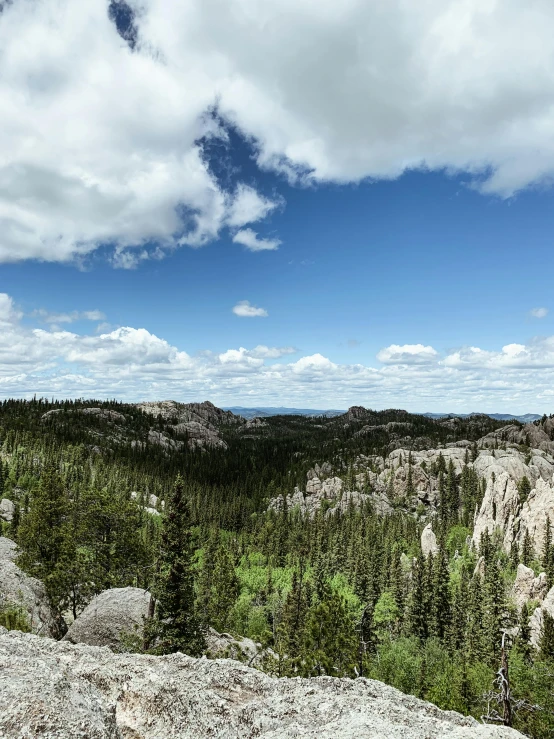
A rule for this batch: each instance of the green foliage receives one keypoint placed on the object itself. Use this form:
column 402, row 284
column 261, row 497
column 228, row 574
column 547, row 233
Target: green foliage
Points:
column 175, row 626
column 13, row 617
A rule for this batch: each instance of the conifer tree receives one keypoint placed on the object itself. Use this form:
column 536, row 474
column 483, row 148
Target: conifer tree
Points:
column 527, row 549
column 494, row 609
column 330, row 643
column 418, row 605
column 523, row 641
column 175, row 626
column 224, row 591
column 440, row 605
column 546, row 644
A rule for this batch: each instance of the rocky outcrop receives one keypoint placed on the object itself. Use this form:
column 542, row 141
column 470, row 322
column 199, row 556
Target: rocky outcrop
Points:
column 537, row 436
column 20, row 590
column 479, row 570
column 534, row 512
column 7, row 509
column 499, row 509
column 429, row 541
column 103, row 413
column 200, row 422
column 110, row 617
column 528, row 587
column 200, row 436
column 537, row 617
column 56, row 689
column 159, row 439
column 241, row 649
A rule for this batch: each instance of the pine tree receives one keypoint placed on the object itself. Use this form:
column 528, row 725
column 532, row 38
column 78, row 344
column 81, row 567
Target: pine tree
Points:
column 43, row 529
column 527, row 549
column 524, row 488
column 546, row 644
column 330, row 641
column 290, row 636
column 175, row 626
column 523, row 641
column 494, row 610
column 418, row 604
column 440, row 605
column 453, row 502
column 225, row 590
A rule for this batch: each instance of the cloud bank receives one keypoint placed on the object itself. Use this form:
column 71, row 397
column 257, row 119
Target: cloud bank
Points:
column 103, row 144
column 134, row 364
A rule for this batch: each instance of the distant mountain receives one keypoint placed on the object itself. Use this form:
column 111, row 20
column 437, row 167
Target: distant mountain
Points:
column 263, row 412
column 524, row 418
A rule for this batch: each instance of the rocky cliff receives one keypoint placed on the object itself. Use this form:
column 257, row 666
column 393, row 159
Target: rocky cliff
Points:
column 57, row 689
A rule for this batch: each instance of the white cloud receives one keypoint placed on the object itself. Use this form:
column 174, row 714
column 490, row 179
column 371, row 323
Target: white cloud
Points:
column 245, row 310
column 249, row 238
column 407, row 354
column 132, row 364
column 92, row 157
column 86, row 315
column 249, row 206
column 272, row 352
column 539, row 312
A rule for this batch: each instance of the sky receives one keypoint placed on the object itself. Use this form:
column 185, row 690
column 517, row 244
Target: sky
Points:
column 288, row 203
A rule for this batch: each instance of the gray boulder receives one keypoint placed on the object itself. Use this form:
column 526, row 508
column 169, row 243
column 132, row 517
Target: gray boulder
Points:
column 429, row 541
column 56, row 689
column 19, row 589
column 7, row 509
column 109, row 617
column 528, row 587
column 537, row 617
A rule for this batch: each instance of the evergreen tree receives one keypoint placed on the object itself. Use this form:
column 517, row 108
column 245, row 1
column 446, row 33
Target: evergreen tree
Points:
column 494, row 609
column 225, row 590
column 418, row 605
column 523, row 641
column 43, row 531
column 175, row 626
column 527, row 549
column 330, row 644
column 546, row 644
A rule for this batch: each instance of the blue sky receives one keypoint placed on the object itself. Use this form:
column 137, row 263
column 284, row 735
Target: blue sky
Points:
column 396, row 242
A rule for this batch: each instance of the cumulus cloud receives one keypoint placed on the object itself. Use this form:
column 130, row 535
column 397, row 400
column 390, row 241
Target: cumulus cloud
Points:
column 407, row 354
column 380, row 88
column 250, row 239
column 245, row 310
column 85, row 315
column 133, row 364
column 539, row 312
column 248, row 206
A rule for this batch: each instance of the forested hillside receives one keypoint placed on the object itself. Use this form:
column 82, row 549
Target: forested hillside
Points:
column 304, row 534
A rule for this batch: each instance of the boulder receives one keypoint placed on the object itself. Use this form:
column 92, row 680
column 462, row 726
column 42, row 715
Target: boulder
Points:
column 19, row 589
column 537, row 616
column 228, row 647
column 109, row 617
column 429, row 541
column 57, row 689
column 528, row 587
column 7, row 509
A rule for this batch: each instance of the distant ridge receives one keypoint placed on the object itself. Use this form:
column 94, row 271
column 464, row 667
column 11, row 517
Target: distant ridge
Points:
column 263, row 412
column 524, row 418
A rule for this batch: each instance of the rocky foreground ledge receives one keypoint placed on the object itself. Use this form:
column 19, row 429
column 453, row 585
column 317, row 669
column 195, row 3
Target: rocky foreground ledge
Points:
column 62, row 690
